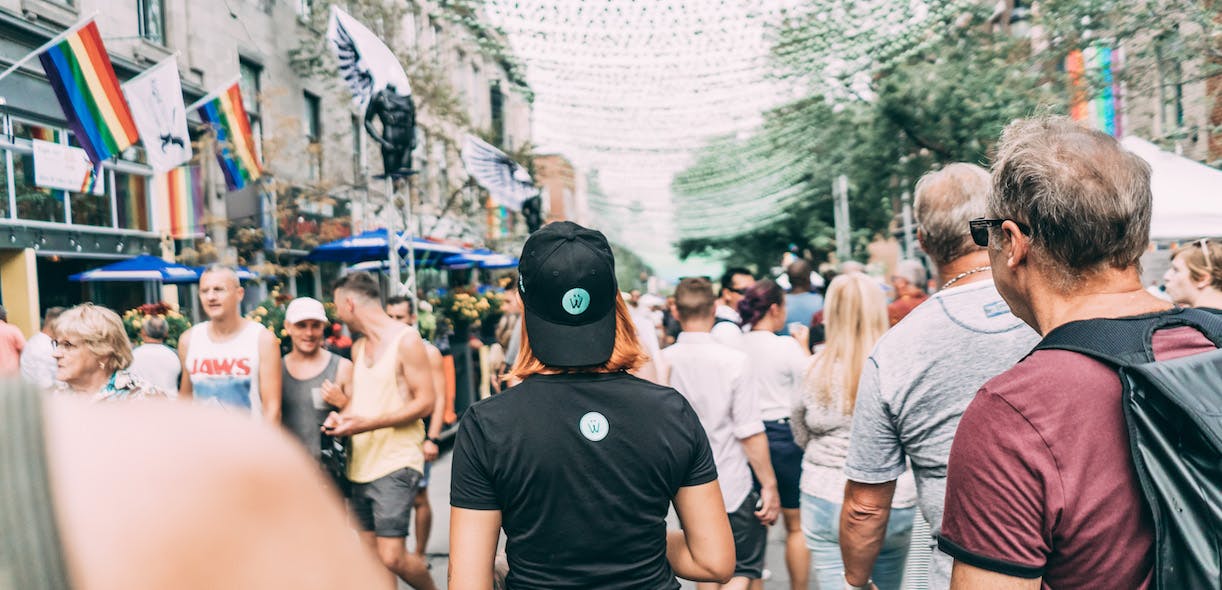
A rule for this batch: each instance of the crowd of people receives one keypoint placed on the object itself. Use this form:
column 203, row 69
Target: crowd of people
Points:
column 972, row 435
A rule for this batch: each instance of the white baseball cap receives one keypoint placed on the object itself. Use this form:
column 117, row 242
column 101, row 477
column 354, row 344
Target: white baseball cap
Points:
column 304, row 308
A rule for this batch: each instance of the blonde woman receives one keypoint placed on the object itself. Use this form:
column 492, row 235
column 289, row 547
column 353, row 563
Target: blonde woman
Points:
column 855, row 318
column 1195, row 276
column 92, row 354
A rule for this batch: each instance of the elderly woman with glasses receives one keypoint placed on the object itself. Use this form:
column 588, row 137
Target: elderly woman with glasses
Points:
column 92, row 354
column 1195, row 276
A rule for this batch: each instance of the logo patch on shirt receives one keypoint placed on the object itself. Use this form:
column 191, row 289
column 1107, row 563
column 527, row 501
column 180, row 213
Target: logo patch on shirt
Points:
column 594, row 426
column 575, row 301
column 996, row 308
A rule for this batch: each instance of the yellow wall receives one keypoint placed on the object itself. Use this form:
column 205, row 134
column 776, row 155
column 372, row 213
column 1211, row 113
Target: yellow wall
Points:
column 19, row 289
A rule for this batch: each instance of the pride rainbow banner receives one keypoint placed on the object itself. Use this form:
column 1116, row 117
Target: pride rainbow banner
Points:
column 180, row 201
column 84, row 81
column 224, row 113
column 1095, row 96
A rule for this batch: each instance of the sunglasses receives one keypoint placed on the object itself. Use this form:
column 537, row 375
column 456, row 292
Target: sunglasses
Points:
column 1204, row 244
column 981, row 225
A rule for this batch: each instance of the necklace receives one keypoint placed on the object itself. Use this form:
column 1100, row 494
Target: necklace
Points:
column 964, row 274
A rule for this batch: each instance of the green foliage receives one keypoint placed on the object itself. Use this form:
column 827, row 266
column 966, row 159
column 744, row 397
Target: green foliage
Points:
column 134, row 319
column 885, row 110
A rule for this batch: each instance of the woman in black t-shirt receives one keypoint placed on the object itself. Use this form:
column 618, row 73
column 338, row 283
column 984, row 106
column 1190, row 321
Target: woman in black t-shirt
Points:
column 580, row 462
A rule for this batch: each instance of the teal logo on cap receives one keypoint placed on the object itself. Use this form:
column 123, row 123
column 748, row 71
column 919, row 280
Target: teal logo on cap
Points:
column 576, row 301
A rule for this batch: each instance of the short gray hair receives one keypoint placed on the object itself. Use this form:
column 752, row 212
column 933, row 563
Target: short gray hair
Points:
column 155, row 328
column 1086, row 199
column 945, row 200
column 912, row 271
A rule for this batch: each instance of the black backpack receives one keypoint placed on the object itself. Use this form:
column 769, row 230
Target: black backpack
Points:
column 1173, row 410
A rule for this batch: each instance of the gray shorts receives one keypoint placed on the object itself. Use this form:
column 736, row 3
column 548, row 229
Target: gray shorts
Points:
column 384, row 505
column 750, row 538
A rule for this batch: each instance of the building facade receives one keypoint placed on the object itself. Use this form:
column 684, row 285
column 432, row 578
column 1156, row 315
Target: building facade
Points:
column 318, row 162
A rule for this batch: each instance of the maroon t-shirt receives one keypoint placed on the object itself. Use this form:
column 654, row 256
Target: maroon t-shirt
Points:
column 1040, row 481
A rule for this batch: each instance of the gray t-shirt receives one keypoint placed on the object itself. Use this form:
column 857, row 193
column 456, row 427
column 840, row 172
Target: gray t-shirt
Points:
column 916, row 385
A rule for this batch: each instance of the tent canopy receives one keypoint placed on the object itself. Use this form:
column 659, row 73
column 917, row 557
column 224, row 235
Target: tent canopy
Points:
column 145, row 268
column 1187, row 194
column 373, row 245
column 142, row 268
column 481, row 258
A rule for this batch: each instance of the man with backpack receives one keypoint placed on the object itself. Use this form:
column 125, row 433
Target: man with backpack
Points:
column 1043, row 485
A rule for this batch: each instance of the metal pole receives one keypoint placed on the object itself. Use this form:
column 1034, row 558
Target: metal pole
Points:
column 392, row 239
column 909, row 244
column 410, row 230
column 840, row 193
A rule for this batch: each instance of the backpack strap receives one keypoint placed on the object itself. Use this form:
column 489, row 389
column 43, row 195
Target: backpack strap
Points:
column 1128, row 341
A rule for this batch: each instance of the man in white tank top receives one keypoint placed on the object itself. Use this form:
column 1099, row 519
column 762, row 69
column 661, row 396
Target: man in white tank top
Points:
column 230, row 361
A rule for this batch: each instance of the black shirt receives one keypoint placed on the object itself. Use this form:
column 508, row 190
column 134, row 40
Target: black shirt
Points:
column 583, row 468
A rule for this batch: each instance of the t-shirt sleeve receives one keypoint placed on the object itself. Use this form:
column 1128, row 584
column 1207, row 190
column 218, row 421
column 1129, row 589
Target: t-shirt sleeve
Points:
column 701, row 468
column 744, row 405
column 1003, row 492
column 875, row 453
column 471, row 483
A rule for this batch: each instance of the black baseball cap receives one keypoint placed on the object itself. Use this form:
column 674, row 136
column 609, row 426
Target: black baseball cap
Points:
column 566, row 277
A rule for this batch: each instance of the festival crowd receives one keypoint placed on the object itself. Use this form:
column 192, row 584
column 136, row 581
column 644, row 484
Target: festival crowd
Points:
column 979, row 434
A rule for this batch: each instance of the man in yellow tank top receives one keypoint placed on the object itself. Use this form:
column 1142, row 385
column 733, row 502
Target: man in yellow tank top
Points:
column 392, row 390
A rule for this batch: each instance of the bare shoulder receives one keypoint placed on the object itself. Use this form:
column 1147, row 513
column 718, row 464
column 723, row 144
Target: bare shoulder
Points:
column 184, row 340
column 191, row 487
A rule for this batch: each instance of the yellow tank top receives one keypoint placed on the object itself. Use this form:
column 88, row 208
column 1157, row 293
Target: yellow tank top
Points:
column 376, row 391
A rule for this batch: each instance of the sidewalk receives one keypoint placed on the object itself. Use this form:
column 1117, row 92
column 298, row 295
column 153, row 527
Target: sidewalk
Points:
column 439, row 540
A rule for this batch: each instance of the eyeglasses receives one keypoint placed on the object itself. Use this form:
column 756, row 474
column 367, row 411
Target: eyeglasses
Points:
column 981, row 225
column 64, row 345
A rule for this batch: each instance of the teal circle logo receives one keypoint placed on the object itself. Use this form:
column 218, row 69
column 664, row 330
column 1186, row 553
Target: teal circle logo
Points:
column 594, row 426
column 576, row 301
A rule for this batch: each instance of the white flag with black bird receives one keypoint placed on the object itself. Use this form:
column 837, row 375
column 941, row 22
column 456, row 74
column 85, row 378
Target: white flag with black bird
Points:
column 157, row 108
column 507, row 181
column 366, row 64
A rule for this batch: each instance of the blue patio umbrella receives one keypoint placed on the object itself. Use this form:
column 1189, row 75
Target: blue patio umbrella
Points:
column 480, row 258
column 373, row 245
column 142, row 268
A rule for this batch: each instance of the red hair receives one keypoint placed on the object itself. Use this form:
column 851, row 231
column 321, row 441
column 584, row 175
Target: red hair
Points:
column 627, row 355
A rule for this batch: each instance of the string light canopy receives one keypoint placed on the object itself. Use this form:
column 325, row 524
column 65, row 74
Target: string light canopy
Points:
column 684, row 109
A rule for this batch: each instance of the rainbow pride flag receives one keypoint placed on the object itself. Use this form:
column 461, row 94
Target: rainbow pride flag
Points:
column 1094, row 92
column 80, row 72
column 223, row 111
column 180, row 201
column 132, row 200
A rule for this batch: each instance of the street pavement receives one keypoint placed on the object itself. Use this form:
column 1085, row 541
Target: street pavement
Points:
column 439, row 541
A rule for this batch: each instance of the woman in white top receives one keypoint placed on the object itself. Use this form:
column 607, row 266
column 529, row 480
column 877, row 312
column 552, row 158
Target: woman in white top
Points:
column 776, row 369
column 856, row 317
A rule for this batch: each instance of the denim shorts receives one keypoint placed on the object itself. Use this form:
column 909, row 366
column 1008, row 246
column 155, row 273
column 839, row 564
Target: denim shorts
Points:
column 821, row 525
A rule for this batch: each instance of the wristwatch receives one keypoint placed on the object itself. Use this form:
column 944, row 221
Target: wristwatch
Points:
column 849, row 585
column 435, row 441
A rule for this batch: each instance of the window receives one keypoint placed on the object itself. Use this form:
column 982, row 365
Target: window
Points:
column 151, row 20
column 312, row 125
column 250, row 73
column 131, row 200
column 496, row 102
column 1169, row 50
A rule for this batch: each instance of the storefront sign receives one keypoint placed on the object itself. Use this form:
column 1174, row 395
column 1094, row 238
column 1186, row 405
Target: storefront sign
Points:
column 64, row 167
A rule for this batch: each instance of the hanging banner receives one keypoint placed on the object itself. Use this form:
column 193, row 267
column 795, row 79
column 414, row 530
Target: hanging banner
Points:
column 64, row 167
column 366, row 64
column 156, row 100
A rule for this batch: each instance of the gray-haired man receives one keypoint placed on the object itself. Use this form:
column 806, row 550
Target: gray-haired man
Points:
column 924, row 372
column 153, row 360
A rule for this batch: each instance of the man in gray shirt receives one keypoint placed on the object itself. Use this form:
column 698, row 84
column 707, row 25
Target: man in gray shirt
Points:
column 923, row 373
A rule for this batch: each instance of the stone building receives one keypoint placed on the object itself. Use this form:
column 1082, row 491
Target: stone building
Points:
column 308, row 132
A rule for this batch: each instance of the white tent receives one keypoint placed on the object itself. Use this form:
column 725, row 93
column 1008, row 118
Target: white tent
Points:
column 1187, row 194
